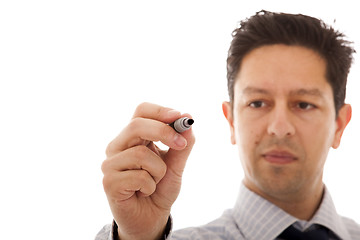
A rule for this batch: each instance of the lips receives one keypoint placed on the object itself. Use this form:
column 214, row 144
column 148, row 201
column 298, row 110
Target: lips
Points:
column 279, row 157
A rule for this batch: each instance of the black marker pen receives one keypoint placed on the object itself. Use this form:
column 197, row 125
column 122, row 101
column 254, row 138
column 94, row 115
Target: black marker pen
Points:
column 182, row 124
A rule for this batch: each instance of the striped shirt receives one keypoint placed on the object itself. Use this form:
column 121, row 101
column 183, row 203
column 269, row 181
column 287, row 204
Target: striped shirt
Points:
column 255, row 218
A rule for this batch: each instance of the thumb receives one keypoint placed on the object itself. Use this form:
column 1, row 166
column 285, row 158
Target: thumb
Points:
column 176, row 159
column 169, row 187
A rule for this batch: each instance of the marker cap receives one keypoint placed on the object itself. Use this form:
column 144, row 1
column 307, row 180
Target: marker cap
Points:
column 182, row 124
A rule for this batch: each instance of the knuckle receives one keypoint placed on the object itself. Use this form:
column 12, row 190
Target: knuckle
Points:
column 150, row 189
column 159, row 112
column 143, row 176
column 109, row 148
column 162, row 171
column 134, row 124
column 140, row 107
column 166, row 132
column 107, row 183
column 104, row 166
column 140, row 152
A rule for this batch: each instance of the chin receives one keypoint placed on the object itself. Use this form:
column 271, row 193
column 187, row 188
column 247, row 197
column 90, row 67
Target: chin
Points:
column 278, row 187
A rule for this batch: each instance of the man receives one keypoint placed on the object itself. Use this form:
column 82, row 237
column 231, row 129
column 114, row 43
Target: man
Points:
column 287, row 80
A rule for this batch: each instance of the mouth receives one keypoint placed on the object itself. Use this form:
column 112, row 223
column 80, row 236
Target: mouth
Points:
column 279, row 157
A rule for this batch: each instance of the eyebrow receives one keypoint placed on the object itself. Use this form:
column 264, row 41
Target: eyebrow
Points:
column 315, row 92
column 252, row 90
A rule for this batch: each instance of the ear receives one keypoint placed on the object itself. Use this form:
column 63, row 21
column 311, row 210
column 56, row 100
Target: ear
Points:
column 342, row 120
column 226, row 107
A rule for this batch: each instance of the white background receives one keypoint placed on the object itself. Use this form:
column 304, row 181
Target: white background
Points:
column 72, row 73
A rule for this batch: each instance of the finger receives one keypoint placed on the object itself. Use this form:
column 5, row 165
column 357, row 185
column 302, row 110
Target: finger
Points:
column 122, row 186
column 136, row 158
column 156, row 112
column 140, row 131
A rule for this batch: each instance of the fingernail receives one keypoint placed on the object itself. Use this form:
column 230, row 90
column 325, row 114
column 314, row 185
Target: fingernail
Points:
column 180, row 141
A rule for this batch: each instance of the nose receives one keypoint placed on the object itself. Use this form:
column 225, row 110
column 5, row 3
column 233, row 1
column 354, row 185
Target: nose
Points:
column 280, row 122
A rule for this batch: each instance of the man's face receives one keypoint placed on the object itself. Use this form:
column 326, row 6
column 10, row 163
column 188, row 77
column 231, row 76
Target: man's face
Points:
column 283, row 119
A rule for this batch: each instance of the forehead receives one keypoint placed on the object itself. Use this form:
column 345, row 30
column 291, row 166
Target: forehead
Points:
column 282, row 67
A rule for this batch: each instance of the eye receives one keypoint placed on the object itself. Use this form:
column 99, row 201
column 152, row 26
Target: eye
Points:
column 305, row 106
column 257, row 104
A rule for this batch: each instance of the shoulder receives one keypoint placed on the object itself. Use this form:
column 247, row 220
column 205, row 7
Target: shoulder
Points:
column 352, row 227
column 219, row 229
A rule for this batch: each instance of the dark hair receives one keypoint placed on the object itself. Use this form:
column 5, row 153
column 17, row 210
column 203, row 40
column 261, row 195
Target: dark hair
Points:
column 266, row 28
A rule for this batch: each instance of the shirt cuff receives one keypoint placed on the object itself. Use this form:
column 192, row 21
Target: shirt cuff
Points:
column 166, row 235
column 168, row 229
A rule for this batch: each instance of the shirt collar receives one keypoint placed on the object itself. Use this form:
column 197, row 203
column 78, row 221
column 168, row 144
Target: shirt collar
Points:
column 327, row 216
column 259, row 219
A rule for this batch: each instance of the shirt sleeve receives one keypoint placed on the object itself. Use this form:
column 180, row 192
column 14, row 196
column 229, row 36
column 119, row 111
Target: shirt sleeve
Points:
column 106, row 233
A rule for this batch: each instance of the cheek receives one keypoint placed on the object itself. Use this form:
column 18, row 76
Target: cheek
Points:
column 317, row 141
column 247, row 138
column 321, row 134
